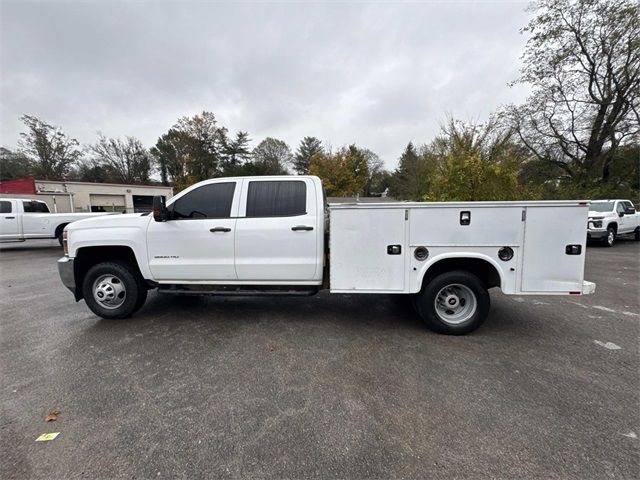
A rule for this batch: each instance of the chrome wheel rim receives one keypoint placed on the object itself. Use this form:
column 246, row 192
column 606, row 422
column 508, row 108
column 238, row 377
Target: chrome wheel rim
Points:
column 109, row 291
column 455, row 304
column 611, row 237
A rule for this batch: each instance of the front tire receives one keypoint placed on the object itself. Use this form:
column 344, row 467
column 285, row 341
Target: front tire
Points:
column 610, row 239
column 636, row 234
column 113, row 290
column 454, row 303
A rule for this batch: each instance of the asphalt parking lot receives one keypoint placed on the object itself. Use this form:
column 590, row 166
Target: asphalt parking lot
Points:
column 318, row 387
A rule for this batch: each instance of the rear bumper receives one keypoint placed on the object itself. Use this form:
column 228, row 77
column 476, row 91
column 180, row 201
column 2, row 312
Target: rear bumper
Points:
column 588, row 288
column 65, row 269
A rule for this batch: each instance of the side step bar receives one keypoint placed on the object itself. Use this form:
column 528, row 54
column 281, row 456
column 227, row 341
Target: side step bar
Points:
column 237, row 292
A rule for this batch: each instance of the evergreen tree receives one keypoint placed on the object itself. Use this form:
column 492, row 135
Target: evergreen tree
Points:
column 309, row 146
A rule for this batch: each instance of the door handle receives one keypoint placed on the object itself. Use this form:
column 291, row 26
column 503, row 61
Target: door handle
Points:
column 219, row 229
column 305, row 228
column 9, row 218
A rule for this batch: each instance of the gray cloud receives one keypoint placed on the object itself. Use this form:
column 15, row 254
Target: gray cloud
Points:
column 377, row 74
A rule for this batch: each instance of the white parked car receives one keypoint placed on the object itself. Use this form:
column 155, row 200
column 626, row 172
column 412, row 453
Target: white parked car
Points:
column 270, row 235
column 608, row 219
column 22, row 220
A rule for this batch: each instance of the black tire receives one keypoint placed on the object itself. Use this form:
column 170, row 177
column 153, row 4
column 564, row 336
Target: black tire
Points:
column 142, row 297
column 465, row 287
column 610, row 239
column 636, row 234
column 124, row 278
column 59, row 232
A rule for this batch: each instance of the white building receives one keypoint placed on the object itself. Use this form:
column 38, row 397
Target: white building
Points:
column 65, row 197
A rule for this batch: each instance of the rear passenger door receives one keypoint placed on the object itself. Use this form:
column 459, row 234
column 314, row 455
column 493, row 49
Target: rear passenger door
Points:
column 276, row 231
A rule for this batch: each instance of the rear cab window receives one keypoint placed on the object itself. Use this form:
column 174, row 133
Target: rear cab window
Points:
column 276, row 198
column 34, row 207
column 5, row 206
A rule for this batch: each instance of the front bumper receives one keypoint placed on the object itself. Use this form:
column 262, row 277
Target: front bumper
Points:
column 596, row 234
column 65, row 269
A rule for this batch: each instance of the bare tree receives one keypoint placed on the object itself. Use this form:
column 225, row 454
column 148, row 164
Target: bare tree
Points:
column 583, row 61
column 51, row 152
column 127, row 161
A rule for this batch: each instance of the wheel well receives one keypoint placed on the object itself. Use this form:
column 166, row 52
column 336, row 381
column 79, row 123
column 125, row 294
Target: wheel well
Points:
column 482, row 269
column 614, row 225
column 59, row 229
column 87, row 257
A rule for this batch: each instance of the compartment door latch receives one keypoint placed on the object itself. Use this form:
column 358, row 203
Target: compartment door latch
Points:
column 394, row 249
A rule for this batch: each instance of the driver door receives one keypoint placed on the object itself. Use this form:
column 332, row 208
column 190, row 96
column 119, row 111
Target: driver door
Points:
column 197, row 242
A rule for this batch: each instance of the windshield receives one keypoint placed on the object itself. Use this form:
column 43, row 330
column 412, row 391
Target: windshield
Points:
column 601, row 207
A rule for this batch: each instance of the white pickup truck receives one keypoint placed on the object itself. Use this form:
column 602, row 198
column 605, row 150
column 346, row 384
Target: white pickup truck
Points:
column 276, row 235
column 608, row 219
column 24, row 219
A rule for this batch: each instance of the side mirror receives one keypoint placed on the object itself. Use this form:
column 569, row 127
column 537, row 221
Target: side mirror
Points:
column 621, row 214
column 160, row 213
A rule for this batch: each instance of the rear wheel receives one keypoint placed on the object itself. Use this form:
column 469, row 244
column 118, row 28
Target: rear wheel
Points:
column 113, row 290
column 454, row 303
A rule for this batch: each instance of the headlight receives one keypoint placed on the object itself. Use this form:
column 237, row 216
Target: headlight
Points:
column 65, row 242
column 597, row 224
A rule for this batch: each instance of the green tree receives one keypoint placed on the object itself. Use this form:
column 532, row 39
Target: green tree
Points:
column 88, row 170
column 583, row 62
column 308, row 147
column 126, row 161
column 344, row 173
column 475, row 162
column 50, row 151
column 236, row 154
column 191, row 151
column 411, row 179
column 271, row 157
column 13, row 165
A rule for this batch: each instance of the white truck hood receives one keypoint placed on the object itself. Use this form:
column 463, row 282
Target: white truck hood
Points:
column 111, row 221
column 600, row 214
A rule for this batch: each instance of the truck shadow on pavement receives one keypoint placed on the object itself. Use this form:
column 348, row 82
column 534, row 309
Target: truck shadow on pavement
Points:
column 333, row 312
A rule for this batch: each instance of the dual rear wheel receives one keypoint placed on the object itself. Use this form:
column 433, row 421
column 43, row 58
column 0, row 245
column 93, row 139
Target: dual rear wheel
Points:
column 453, row 303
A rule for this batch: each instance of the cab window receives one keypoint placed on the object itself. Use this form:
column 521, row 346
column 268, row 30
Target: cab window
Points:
column 209, row 201
column 629, row 208
column 35, row 207
column 284, row 198
column 5, row 207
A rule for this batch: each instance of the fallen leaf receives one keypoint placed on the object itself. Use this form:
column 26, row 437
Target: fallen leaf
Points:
column 53, row 416
column 47, row 437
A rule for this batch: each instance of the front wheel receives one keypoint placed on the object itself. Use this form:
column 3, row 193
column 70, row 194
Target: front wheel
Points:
column 454, row 303
column 636, row 234
column 610, row 239
column 113, row 290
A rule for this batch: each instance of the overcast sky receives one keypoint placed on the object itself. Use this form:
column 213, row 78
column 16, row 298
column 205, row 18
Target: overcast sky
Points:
column 377, row 74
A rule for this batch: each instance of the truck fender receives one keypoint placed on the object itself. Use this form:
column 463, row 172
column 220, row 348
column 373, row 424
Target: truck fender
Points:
column 459, row 256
